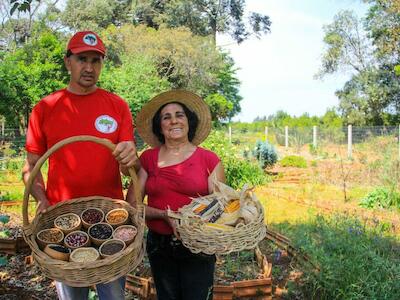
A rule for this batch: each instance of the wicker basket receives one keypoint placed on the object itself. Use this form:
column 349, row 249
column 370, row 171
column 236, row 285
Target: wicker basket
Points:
column 243, row 236
column 83, row 274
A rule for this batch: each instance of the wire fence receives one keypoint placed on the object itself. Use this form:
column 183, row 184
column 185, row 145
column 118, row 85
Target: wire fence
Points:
column 350, row 138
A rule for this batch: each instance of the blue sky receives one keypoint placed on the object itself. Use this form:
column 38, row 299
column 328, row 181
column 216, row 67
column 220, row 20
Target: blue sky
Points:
column 276, row 71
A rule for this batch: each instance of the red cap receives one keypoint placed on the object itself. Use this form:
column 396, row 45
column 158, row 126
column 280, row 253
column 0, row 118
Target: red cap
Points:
column 86, row 41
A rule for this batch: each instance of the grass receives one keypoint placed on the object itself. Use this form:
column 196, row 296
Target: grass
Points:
column 355, row 260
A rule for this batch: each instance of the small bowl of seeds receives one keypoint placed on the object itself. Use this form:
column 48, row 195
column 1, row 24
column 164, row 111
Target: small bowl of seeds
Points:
column 117, row 217
column 76, row 239
column 68, row 222
column 100, row 232
column 57, row 252
column 90, row 216
column 125, row 233
column 49, row 236
column 84, row 255
column 111, row 247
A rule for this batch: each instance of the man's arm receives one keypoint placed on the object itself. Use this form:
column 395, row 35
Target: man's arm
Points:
column 38, row 187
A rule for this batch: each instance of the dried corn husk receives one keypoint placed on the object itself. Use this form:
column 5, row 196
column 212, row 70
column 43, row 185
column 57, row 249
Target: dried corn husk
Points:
column 238, row 216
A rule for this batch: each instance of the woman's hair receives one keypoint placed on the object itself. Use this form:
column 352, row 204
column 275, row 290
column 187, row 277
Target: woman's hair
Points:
column 193, row 121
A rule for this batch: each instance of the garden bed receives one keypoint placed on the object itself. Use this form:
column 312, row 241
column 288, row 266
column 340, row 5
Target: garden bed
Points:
column 244, row 275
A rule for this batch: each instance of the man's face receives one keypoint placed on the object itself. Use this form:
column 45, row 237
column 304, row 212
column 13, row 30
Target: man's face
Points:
column 85, row 69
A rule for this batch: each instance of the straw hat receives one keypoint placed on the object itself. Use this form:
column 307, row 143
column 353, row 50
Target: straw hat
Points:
column 193, row 102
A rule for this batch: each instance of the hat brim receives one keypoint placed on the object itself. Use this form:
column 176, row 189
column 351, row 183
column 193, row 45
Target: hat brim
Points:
column 193, row 102
column 86, row 49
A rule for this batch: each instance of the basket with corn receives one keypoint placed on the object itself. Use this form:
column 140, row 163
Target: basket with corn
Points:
column 222, row 222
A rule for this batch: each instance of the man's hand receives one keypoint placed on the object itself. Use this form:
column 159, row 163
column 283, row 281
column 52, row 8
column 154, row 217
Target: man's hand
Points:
column 125, row 154
column 42, row 206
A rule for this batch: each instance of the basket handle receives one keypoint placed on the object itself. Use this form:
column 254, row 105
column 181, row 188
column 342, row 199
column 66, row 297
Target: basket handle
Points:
column 80, row 138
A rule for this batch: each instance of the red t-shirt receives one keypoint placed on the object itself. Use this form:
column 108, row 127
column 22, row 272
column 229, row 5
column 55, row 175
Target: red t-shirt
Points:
column 81, row 168
column 174, row 185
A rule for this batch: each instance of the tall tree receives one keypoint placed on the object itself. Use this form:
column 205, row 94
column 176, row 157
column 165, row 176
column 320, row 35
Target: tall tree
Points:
column 28, row 74
column 203, row 17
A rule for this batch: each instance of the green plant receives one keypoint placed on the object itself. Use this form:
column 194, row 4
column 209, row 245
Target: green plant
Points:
column 293, row 161
column 355, row 261
column 381, row 198
column 238, row 171
column 265, row 154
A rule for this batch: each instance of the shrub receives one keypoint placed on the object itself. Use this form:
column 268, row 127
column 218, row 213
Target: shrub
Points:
column 265, row 154
column 356, row 261
column 381, row 198
column 238, row 171
column 293, row 161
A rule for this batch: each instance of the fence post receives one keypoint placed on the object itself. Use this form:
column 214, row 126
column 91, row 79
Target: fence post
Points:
column 3, row 138
column 399, row 142
column 314, row 137
column 230, row 134
column 349, row 141
column 286, row 136
column 266, row 133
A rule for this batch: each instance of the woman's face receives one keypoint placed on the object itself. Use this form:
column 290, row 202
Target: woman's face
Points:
column 174, row 122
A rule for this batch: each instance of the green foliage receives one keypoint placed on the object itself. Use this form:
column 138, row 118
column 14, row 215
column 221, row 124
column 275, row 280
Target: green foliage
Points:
column 381, row 198
column 265, row 154
column 220, row 107
column 3, row 261
column 237, row 170
column 293, row 161
column 4, row 219
column 356, row 262
column 28, row 74
column 135, row 80
column 204, row 18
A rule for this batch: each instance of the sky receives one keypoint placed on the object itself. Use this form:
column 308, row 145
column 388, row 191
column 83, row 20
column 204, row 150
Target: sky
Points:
column 276, row 71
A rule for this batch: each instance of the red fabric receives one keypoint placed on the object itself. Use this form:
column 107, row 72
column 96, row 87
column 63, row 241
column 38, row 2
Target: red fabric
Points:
column 174, row 185
column 83, row 168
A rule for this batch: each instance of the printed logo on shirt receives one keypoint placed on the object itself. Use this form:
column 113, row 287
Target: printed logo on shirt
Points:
column 90, row 39
column 106, row 124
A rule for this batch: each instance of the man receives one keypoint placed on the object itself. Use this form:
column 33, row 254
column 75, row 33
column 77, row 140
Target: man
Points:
column 84, row 168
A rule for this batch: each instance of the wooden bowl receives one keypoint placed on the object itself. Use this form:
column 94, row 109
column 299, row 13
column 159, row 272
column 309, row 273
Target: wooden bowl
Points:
column 81, row 239
column 57, row 251
column 111, row 247
column 100, row 228
column 117, row 217
column 91, row 215
column 68, row 222
column 49, row 236
column 125, row 233
column 84, row 255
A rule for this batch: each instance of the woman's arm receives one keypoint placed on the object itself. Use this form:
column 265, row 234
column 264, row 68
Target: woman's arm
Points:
column 218, row 174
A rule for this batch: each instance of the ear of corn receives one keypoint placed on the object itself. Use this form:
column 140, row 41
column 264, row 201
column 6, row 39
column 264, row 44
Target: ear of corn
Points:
column 215, row 226
column 232, row 206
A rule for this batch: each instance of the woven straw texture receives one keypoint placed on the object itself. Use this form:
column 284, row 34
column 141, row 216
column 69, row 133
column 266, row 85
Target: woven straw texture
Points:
column 243, row 236
column 191, row 100
column 83, row 274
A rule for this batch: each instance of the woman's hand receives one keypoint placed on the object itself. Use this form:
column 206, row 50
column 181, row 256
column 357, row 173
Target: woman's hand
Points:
column 171, row 222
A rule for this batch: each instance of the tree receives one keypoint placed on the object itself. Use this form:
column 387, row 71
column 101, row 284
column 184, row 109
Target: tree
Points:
column 136, row 80
column 371, row 96
column 95, row 14
column 185, row 60
column 383, row 24
column 28, row 74
column 21, row 19
column 220, row 107
column 203, row 17
column 348, row 47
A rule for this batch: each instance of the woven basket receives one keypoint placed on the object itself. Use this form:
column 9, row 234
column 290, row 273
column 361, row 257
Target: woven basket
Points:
column 242, row 236
column 83, row 274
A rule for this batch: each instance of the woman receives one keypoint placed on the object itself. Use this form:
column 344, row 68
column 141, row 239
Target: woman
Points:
column 172, row 172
